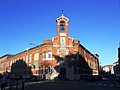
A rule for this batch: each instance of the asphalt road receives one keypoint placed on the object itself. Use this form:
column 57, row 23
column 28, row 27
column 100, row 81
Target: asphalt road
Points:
column 70, row 85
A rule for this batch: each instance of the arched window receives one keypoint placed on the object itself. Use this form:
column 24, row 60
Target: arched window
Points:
column 49, row 55
column 27, row 59
column 30, row 58
column 36, row 56
column 44, row 55
column 62, row 27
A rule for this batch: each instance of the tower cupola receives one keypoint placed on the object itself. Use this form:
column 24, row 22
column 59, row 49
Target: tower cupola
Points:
column 62, row 25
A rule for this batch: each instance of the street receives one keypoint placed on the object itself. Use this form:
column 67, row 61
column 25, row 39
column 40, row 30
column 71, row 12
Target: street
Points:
column 71, row 85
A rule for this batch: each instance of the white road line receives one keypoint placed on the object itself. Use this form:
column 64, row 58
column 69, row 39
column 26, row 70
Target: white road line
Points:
column 105, row 85
column 94, row 84
column 89, row 83
column 102, row 84
column 99, row 84
column 111, row 85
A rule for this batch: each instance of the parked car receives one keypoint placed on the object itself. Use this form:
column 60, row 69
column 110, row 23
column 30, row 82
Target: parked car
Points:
column 16, row 77
column 118, row 78
column 90, row 78
column 26, row 77
column 97, row 77
column 33, row 78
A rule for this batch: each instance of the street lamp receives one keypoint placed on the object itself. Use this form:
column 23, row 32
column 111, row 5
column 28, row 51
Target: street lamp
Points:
column 100, row 68
column 39, row 61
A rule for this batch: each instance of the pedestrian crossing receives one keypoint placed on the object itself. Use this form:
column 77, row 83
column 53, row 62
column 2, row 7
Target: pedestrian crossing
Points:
column 103, row 84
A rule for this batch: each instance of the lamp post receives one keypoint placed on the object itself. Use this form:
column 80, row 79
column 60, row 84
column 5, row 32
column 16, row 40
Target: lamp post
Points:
column 119, row 58
column 39, row 60
column 100, row 68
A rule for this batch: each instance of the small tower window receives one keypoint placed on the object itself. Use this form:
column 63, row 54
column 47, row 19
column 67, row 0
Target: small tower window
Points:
column 62, row 40
column 62, row 27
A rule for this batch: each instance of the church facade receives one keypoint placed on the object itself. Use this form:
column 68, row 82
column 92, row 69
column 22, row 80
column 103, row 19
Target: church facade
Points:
column 61, row 50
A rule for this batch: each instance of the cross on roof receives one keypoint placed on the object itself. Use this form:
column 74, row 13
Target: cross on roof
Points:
column 62, row 11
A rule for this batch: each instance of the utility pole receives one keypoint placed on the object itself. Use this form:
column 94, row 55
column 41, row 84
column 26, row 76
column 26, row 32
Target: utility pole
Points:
column 119, row 57
column 39, row 61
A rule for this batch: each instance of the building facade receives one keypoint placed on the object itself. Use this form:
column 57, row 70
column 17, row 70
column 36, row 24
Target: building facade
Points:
column 4, row 64
column 116, row 65
column 108, row 69
column 60, row 50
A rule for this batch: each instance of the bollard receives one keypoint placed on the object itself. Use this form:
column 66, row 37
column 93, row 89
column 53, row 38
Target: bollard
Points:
column 17, row 85
column 23, row 84
column 10, row 86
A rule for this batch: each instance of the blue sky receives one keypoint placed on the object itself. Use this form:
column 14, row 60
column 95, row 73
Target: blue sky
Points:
column 96, row 23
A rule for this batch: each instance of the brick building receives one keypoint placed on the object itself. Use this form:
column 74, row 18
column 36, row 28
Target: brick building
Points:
column 4, row 63
column 108, row 69
column 116, row 65
column 62, row 51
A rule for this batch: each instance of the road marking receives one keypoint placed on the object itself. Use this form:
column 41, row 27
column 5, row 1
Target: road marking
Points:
column 111, row 85
column 94, row 84
column 89, row 83
column 105, row 85
column 99, row 84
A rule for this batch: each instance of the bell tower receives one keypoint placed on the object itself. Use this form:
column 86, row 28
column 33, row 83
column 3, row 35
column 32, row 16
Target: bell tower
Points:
column 62, row 29
column 62, row 37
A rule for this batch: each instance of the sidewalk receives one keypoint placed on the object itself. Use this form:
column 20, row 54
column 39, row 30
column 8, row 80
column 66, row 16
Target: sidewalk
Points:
column 26, row 84
column 58, row 82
